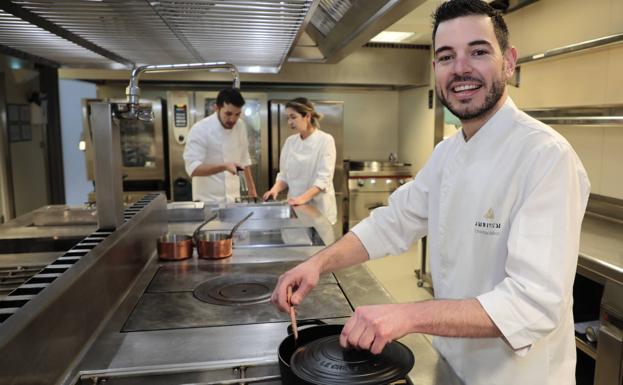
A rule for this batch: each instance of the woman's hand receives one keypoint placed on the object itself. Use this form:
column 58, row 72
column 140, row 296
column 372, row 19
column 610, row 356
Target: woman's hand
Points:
column 270, row 194
column 299, row 200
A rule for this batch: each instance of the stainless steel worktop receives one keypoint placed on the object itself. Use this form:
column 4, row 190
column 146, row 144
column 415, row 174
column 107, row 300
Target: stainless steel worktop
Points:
column 123, row 349
column 177, row 351
column 601, row 249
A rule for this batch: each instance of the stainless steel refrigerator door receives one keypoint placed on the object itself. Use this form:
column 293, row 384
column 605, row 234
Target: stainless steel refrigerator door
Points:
column 332, row 123
column 255, row 116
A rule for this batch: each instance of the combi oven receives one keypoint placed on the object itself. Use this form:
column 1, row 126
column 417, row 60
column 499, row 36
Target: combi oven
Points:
column 142, row 148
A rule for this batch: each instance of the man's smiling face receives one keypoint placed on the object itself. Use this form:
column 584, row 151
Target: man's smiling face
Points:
column 470, row 68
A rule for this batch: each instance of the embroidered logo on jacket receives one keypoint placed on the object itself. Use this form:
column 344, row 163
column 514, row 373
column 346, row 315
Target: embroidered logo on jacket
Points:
column 488, row 226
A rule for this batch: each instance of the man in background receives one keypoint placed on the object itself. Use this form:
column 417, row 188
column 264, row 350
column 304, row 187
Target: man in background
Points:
column 217, row 149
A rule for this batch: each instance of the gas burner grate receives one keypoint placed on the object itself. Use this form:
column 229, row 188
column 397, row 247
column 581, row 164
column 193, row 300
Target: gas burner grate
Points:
column 12, row 277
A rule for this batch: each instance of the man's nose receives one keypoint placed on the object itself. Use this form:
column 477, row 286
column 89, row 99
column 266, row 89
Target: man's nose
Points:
column 462, row 64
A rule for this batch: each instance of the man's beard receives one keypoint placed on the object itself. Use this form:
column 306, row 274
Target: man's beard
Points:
column 493, row 96
column 223, row 123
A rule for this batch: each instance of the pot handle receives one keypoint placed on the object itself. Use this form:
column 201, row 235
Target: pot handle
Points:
column 306, row 322
column 196, row 232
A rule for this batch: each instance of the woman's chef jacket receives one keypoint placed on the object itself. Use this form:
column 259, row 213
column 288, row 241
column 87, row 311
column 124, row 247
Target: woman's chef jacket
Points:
column 310, row 162
column 210, row 143
column 502, row 213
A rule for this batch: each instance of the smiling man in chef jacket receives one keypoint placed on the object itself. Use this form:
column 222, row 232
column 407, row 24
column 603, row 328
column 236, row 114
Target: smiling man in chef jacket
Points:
column 501, row 202
column 216, row 149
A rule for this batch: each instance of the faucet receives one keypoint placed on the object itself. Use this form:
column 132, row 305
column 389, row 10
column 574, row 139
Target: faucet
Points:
column 133, row 91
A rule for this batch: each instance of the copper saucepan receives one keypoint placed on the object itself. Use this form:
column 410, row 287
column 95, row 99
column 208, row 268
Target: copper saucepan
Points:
column 177, row 247
column 212, row 245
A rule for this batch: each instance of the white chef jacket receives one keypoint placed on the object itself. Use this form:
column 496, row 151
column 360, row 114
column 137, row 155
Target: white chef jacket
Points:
column 503, row 213
column 310, row 162
column 209, row 142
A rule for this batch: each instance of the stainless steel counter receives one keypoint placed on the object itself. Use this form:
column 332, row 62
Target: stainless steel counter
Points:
column 202, row 354
column 601, row 249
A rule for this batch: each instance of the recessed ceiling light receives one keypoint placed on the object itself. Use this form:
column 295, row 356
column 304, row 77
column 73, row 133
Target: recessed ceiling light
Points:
column 392, row 37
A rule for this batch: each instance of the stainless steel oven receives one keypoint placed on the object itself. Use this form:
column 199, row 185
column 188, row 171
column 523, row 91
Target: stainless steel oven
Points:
column 142, row 149
column 370, row 183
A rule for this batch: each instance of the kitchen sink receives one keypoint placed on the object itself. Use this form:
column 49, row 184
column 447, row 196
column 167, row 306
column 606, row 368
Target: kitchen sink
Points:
column 37, row 245
column 283, row 237
column 269, row 210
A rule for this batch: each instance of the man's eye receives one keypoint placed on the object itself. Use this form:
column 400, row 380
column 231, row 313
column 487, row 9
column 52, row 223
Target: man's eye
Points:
column 444, row 58
column 480, row 52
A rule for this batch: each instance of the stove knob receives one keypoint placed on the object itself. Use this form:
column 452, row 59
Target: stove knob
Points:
column 360, row 182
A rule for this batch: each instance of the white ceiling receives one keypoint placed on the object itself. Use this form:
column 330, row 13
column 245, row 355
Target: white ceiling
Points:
column 419, row 22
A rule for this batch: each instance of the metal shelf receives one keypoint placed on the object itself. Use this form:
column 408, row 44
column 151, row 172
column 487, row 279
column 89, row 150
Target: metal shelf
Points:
column 580, row 115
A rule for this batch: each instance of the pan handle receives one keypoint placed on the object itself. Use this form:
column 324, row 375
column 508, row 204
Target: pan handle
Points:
column 196, row 232
column 306, row 322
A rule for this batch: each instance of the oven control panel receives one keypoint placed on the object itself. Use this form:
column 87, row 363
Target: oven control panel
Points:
column 180, row 115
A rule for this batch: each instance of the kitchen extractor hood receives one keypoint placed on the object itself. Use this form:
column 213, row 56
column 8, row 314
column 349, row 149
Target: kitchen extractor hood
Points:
column 257, row 36
column 338, row 27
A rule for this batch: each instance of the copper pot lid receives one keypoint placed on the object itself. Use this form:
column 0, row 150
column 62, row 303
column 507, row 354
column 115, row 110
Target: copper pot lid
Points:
column 324, row 361
column 237, row 289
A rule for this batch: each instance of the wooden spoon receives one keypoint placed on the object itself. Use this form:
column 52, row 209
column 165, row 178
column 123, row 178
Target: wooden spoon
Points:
column 292, row 315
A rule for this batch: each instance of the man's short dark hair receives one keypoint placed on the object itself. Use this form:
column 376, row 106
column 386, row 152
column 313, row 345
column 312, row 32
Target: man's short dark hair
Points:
column 230, row 96
column 458, row 8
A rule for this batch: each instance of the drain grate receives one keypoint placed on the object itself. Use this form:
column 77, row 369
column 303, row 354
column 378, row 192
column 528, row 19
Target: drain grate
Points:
column 11, row 277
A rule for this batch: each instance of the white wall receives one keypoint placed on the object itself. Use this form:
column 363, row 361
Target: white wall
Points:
column 71, row 93
column 416, row 128
column 588, row 78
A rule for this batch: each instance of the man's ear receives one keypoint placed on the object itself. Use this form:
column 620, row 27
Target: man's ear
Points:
column 510, row 61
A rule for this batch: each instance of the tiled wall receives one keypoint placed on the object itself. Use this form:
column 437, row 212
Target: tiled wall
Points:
column 587, row 78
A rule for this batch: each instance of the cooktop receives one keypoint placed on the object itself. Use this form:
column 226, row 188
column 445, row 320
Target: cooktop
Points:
column 206, row 295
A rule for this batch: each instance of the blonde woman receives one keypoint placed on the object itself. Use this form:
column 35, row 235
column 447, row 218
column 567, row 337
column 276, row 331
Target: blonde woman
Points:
column 307, row 161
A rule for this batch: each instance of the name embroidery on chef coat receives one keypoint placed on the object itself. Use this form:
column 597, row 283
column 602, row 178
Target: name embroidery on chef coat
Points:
column 488, row 226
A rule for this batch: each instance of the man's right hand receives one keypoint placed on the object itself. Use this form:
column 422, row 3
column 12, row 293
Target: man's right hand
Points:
column 232, row 167
column 302, row 278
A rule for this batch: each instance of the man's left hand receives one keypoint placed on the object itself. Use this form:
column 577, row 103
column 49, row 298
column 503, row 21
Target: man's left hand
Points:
column 372, row 327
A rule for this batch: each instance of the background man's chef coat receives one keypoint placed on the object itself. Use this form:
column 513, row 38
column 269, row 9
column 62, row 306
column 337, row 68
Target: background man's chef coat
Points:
column 209, row 142
column 307, row 163
column 503, row 213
